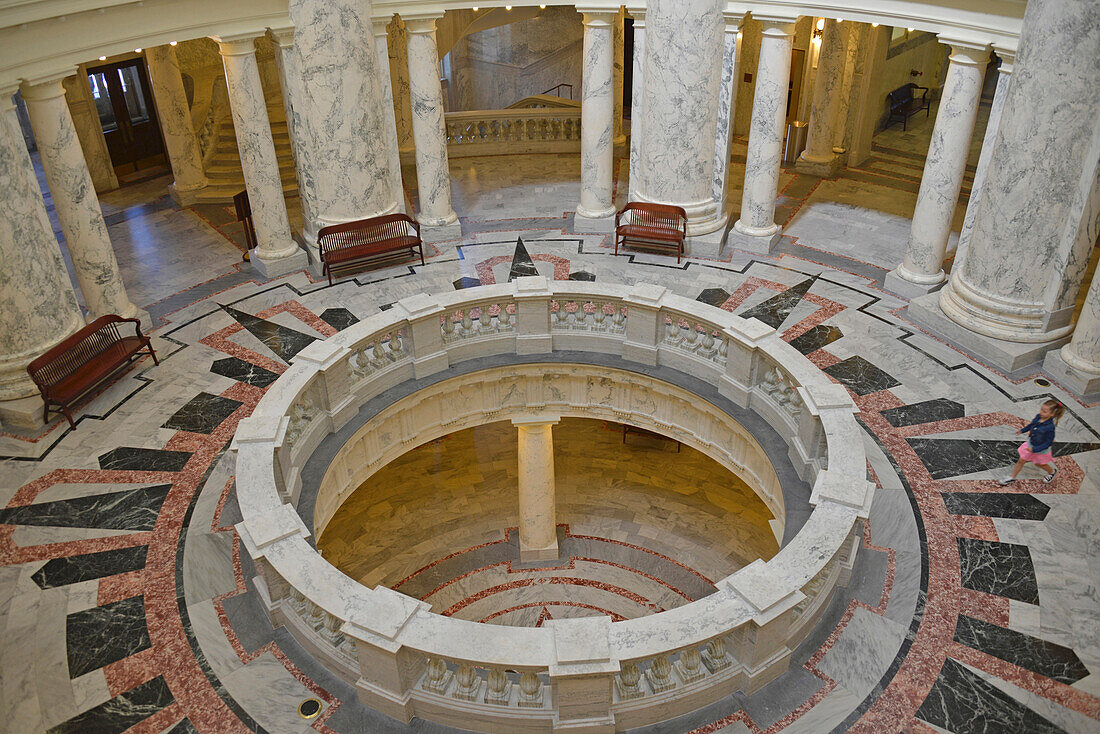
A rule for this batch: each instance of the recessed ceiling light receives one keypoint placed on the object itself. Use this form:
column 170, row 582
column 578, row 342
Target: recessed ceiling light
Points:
column 820, row 24
column 102, row 58
column 909, row 29
column 137, row 50
column 874, row 25
column 173, row 43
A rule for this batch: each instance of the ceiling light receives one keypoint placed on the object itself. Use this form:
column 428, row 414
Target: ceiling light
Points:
column 173, row 43
column 874, row 25
column 507, row 7
column 102, row 58
column 821, row 24
column 839, row 20
column 137, row 50
column 909, row 29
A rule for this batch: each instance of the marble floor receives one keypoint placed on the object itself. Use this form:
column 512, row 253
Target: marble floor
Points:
column 125, row 604
column 645, row 526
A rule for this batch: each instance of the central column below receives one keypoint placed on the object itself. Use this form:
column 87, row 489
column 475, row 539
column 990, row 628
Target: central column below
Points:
column 538, row 537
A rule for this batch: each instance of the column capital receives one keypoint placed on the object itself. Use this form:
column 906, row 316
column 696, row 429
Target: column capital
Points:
column 597, row 17
column 734, row 20
column 282, row 36
column 1007, row 55
column 381, row 26
column 966, row 51
column 237, row 44
column 47, row 87
column 535, row 421
column 421, row 22
column 637, row 14
column 775, row 24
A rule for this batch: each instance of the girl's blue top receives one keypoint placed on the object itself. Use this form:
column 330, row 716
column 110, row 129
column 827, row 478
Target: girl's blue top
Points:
column 1040, row 434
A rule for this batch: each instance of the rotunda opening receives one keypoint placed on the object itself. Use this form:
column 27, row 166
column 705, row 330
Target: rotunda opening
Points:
column 643, row 524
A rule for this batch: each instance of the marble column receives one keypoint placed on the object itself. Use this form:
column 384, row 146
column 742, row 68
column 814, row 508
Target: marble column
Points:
column 89, row 130
column 290, row 79
column 1077, row 364
column 843, row 127
column 399, row 81
column 596, row 211
column 538, row 538
column 77, row 206
column 1004, row 75
column 727, row 99
column 180, row 140
column 389, row 120
column 818, row 158
column 37, row 305
column 276, row 252
column 683, row 83
column 619, row 62
column 637, row 117
column 756, row 230
column 1035, row 223
column 922, row 270
column 433, row 173
column 340, row 117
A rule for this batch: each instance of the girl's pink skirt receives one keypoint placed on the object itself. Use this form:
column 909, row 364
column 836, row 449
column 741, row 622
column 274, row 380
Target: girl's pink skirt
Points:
column 1028, row 455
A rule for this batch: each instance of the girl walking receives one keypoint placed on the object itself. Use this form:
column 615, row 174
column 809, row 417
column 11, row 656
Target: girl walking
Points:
column 1040, row 441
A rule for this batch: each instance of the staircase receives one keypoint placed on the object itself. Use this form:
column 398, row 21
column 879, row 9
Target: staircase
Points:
column 223, row 169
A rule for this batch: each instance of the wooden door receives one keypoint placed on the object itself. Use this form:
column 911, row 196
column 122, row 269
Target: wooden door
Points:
column 124, row 103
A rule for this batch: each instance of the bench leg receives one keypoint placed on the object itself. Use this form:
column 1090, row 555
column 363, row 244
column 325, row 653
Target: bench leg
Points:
column 153, row 354
column 65, row 411
column 421, row 248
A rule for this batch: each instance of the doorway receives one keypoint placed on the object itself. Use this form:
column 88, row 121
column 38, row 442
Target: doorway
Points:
column 124, row 103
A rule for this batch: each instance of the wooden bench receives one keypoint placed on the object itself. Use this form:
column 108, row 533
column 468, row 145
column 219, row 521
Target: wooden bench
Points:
column 904, row 105
column 646, row 226
column 80, row 362
column 345, row 246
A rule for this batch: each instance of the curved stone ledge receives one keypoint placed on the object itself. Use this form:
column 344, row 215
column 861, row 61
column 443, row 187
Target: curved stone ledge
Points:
column 407, row 661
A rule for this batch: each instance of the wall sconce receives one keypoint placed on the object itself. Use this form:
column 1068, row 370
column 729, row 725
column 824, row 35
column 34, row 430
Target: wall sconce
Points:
column 819, row 30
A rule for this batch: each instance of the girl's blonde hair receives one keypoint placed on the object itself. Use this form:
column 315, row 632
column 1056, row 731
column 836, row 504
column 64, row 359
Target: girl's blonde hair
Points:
column 1057, row 410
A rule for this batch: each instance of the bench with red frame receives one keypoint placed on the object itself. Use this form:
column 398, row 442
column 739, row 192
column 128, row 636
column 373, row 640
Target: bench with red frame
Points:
column 646, row 226
column 83, row 360
column 348, row 245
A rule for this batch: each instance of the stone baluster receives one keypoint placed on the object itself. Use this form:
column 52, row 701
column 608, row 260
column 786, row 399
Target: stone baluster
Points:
column 498, row 689
column 756, row 229
column 438, row 677
column 276, row 252
column 715, row 656
column 628, row 682
column 530, row 690
column 659, row 675
column 596, row 210
column 175, row 123
column 922, row 270
column 433, row 174
column 690, row 665
column 389, row 119
column 467, row 683
column 818, row 158
column 74, row 197
column 637, row 99
column 37, row 305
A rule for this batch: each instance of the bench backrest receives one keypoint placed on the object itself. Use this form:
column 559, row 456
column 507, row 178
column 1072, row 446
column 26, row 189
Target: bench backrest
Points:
column 366, row 232
column 659, row 216
column 901, row 95
column 76, row 350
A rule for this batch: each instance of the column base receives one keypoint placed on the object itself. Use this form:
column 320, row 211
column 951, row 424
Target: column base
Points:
column 527, row 555
column 707, row 245
column 1079, row 381
column 827, row 168
column 269, row 269
column 441, row 232
column 900, row 286
column 1004, row 355
column 758, row 243
column 600, row 224
column 22, row 414
column 184, row 197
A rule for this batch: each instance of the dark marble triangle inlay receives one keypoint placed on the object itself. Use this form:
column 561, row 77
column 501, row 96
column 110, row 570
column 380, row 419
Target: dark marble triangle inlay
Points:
column 237, row 369
column 466, row 282
column 776, row 309
column 927, row 411
column 282, row 340
column 202, row 413
column 183, row 727
column 713, row 296
column 1003, row 569
column 995, row 504
column 583, row 275
column 951, row 457
column 339, row 318
column 74, row 569
column 128, row 458
column 1024, row 651
column 522, row 264
column 815, row 338
column 121, row 712
column 860, row 376
column 132, row 509
column 103, row 635
column 961, row 702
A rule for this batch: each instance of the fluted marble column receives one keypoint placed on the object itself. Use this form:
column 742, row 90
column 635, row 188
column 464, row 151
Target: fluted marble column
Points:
column 922, row 270
column 818, row 158
column 276, row 251
column 683, row 79
column 77, row 206
column 1004, row 75
column 538, row 538
column 180, row 140
column 37, row 305
column 433, row 173
column 1035, row 224
column 756, row 230
column 389, row 120
column 727, row 99
column 340, row 119
column 637, row 99
column 596, row 210
column 619, row 63
column 290, row 79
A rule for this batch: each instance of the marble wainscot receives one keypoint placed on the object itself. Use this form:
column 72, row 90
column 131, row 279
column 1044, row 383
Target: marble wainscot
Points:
column 588, row 674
